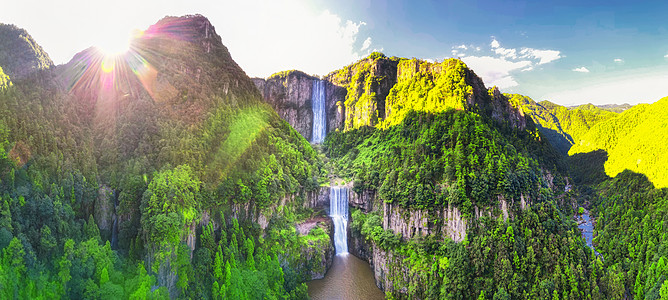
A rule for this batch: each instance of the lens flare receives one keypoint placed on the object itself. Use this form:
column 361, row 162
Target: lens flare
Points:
column 108, row 64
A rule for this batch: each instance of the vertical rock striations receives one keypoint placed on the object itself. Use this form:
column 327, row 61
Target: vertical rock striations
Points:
column 380, row 90
column 289, row 93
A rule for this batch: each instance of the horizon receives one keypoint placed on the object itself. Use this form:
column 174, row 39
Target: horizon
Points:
column 570, row 54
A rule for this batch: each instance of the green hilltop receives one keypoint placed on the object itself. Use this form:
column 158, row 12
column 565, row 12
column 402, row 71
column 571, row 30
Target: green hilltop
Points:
column 174, row 179
column 561, row 125
column 634, row 140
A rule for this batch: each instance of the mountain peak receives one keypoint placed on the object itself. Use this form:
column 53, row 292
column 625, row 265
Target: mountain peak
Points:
column 20, row 55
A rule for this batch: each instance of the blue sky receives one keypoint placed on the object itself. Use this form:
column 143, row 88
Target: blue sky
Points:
column 568, row 52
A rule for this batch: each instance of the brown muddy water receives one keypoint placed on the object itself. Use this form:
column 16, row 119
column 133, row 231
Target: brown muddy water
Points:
column 348, row 278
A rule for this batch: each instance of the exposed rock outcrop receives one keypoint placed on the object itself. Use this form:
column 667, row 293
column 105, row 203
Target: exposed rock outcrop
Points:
column 368, row 82
column 365, row 201
column 317, row 199
column 104, row 209
column 289, row 93
column 501, row 109
column 318, row 256
column 449, row 222
column 446, row 222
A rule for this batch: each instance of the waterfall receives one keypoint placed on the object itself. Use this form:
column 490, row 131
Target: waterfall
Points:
column 319, row 118
column 114, row 234
column 338, row 210
column 114, row 227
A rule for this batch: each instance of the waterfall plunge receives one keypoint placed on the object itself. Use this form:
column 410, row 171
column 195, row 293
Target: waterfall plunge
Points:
column 318, row 102
column 338, row 210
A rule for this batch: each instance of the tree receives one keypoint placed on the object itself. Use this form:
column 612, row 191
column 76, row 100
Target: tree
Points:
column 47, row 241
column 13, row 265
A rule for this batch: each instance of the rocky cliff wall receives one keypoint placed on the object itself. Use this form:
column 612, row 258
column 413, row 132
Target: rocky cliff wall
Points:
column 357, row 95
column 366, row 83
column 389, row 274
column 290, row 95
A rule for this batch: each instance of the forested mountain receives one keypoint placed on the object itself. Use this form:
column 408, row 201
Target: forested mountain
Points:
column 167, row 172
column 466, row 195
column 616, row 160
column 123, row 174
column 634, row 140
column 562, row 126
column 20, row 54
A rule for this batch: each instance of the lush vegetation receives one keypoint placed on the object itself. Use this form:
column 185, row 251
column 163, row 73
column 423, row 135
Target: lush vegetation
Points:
column 453, row 157
column 634, row 140
column 120, row 189
column 631, row 233
column 20, row 54
column 562, row 126
column 436, row 155
column 176, row 180
column 5, row 81
column 430, row 87
column 539, row 253
column 368, row 83
column 462, row 159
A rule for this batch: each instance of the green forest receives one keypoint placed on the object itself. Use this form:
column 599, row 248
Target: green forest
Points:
column 167, row 175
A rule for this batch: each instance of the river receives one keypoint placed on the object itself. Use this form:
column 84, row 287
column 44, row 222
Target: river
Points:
column 348, row 278
column 586, row 225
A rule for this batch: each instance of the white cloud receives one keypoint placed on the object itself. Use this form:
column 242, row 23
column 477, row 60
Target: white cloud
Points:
column 666, row 56
column 505, row 52
column 262, row 36
column 366, row 44
column 631, row 88
column 581, row 70
column 498, row 66
column 545, row 56
column 495, row 70
column 619, row 60
column 286, row 34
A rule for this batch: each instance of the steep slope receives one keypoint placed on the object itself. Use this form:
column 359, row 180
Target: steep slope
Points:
column 633, row 140
column 20, row 55
column 290, row 93
column 367, row 83
column 632, row 213
column 168, row 156
column 562, row 126
column 379, row 90
column 459, row 195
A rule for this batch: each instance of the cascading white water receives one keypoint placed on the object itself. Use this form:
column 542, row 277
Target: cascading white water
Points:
column 338, row 211
column 319, row 118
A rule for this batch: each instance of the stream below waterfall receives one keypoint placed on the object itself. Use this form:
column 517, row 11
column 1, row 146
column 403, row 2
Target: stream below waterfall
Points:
column 586, row 225
column 349, row 278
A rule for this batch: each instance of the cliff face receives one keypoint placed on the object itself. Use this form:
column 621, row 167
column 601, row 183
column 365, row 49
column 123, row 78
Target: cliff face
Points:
column 389, row 271
column 378, row 90
column 367, row 83
column 503, row 111
column 290, row 95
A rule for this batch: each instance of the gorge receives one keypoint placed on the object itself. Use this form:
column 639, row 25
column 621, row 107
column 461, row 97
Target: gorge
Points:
column 172, row 174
